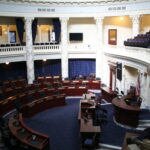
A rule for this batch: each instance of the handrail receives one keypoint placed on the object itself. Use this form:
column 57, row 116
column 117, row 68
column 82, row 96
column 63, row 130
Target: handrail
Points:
column 12, row 50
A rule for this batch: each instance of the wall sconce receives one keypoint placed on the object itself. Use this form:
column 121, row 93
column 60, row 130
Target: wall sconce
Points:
column 121, row 18
column 44, row 59
column 7, row 63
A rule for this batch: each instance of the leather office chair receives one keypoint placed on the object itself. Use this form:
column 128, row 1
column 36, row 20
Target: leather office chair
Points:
column 66, row 78
column 83, row 84
column 100, row 115
column 72, row 84
column 89, row 142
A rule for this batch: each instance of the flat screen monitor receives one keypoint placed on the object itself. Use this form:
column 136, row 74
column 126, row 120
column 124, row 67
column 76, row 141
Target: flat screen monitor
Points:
column 76, row 36
column 119, row 71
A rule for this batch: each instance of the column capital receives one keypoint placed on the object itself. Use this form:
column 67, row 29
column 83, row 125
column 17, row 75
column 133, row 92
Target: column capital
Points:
column 64, row 19
column 28, row 19
column 99, row 19
column 135, row 18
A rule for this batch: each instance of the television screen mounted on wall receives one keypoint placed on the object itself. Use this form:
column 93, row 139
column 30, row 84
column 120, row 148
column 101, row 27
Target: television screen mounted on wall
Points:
column 76, row 36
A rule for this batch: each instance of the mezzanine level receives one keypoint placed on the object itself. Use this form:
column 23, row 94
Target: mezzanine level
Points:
column 131, row 53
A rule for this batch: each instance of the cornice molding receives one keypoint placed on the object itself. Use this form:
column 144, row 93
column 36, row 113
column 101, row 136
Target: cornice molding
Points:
column 71, row 2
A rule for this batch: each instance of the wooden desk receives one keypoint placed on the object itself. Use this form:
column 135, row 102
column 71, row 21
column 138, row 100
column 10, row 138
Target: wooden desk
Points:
column 108, row 94
column 87, row 126
column 124, row 113
column 25, row 135
column 42, row 104
column 87, row 129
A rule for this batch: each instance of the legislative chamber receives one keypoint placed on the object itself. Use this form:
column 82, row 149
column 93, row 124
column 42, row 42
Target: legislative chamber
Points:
column 66, row 70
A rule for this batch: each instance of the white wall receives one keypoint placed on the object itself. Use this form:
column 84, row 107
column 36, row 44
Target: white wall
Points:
column 145, row 24
column 124, row 28
column 86, row 26
column 130, row 77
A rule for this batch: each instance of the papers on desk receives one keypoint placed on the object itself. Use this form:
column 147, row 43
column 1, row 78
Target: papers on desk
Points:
column 33, row 137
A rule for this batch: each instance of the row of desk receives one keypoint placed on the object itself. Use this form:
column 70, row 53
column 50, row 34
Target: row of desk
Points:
column 23, row 98
column 25, row 136
column 12, row 91
column 21, row 94
column 19, row 129
column 42, row 104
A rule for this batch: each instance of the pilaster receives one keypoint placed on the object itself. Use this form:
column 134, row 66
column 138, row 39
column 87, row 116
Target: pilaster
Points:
column 99, row 48
column 29, row 50
column 64, row 46
column 135, row 25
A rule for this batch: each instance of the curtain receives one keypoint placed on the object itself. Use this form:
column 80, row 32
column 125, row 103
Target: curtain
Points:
column 34, row 29
column 57, row 29
column 20, row 29
column 47, row 68
column 81, row 67
column 13, row 71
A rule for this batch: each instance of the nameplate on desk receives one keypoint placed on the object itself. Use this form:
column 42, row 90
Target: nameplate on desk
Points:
column 48, row 97
column 49, row 89
column 56, row 77
column 95, row 81
column 85, row 81
column 61, row 88
column 82, row 87
column 48, row 77
column 66, row 81
column 76, row 81
column 11, row 98
column 61, row 96
column 40, row 77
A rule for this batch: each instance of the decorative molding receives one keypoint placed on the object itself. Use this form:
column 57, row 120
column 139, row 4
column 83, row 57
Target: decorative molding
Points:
column 99, row 20
column 135, row 19
column 73, row 2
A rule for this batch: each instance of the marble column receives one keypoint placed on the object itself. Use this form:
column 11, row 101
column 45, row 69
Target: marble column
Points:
column 99, row 48
column 135, row 25
column 29, row 50
column 64, row 47
column 8, row 36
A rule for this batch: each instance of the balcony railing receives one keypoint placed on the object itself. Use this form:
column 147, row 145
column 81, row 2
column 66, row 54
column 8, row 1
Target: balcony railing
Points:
column 12, row 50
column 136, row 53
column 46, row 48
column 140, row 54
column 20, row 50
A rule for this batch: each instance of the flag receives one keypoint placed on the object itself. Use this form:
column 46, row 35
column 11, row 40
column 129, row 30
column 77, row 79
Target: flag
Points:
column 138, row 86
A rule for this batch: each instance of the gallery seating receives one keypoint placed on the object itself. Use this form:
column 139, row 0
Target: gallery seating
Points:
column 141, row 40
